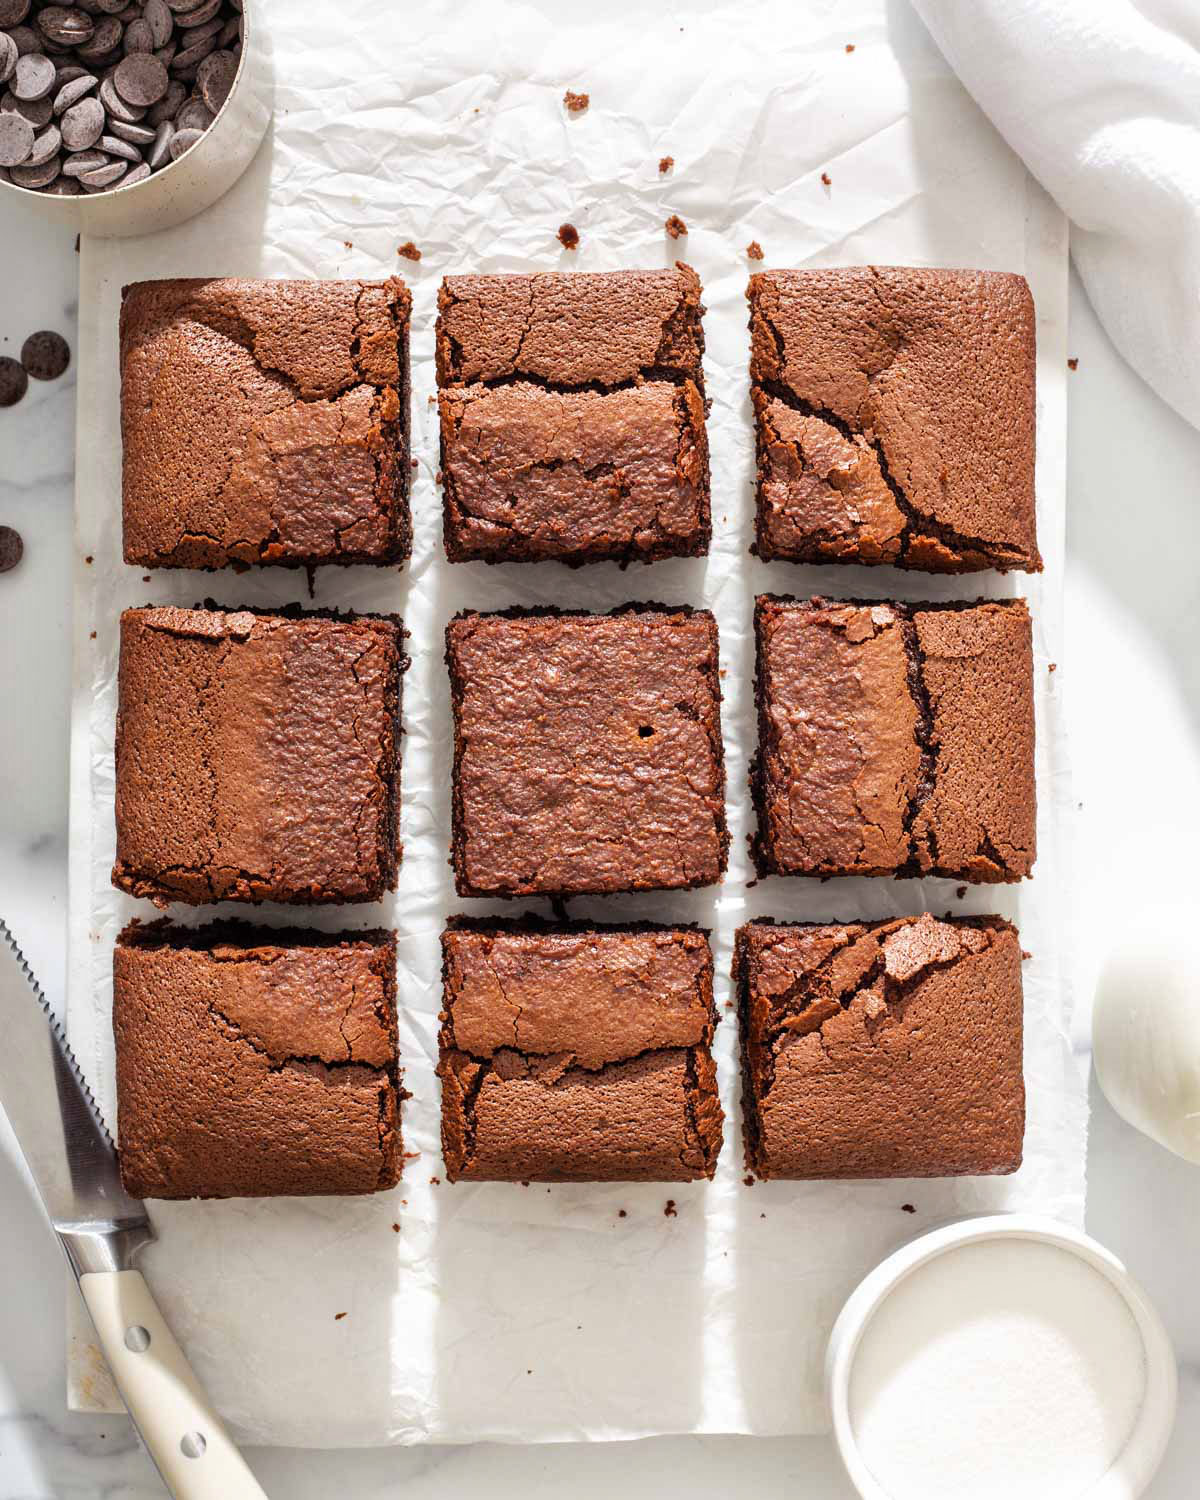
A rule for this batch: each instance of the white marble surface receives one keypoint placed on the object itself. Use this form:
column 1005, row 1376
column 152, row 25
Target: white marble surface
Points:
column 1132, row 686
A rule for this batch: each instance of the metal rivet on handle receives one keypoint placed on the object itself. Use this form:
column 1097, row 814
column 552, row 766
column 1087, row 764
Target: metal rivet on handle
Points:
column 192, row 1444
column 137, row 1338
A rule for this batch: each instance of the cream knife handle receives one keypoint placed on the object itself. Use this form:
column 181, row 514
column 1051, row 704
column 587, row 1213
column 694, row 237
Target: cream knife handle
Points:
column 194, row 1453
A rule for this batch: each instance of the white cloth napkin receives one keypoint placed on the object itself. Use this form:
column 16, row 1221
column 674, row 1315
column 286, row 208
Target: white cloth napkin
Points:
column 1101, row 99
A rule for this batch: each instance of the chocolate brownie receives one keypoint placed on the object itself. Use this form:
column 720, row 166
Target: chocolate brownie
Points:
column 895, row 417
column 573, row 417
column 577, row 1053
column 587, row 751
column 255, row 1063
column 257, row 756
column 265, row 422
column 881, row 1049
column 894, row 739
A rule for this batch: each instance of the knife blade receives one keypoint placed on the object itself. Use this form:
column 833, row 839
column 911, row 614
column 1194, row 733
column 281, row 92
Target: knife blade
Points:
column 61, row 1133
column 74, row 1166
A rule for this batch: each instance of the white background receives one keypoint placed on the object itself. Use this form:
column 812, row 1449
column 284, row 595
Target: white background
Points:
column 1130, row 679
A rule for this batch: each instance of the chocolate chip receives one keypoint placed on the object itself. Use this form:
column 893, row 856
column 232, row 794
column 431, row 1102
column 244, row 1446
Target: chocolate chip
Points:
column 158, row 17
column 66, row 24
column 135, row 174
column 214, row 78
column 45, row 355
column 16, row 139
column 39, row 176
column 13, row 12
column 33, row 77
column 73, row 90
column 37, row 111
column 113, row 146
column 26, row 38
column 138, row 37
column 160, row 152
column 62, row 187
column 8, row 56
column 141, row 80
column 168, row 106
column 194, row 34
column 83, row 124
column 105, row 39
column 45, row 145
column 136, row 135
column 12, row 548
column 183, row 140
column 190, row 57
column 83, row 161
column 14, row 381
column 105, row 176
column 196, row 15
column 117, row 107
column 195, row 115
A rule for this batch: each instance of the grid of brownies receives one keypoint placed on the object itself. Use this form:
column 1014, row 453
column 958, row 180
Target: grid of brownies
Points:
column 258, row 754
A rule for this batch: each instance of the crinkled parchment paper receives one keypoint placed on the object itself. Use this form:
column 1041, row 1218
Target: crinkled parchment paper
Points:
column 528, row 1314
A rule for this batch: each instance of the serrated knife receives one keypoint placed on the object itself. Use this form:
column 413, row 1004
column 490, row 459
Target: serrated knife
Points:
column 101, row 1228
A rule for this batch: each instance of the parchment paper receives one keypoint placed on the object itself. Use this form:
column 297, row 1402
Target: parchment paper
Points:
column 528, row 1314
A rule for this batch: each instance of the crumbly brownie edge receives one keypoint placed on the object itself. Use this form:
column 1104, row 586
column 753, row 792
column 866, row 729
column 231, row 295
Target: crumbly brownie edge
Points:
column 759, row 773
column 389, row 849
column 705, row 1116
column 393, row 469
column 965, row 554
column 757, row 1056
column 691, row 412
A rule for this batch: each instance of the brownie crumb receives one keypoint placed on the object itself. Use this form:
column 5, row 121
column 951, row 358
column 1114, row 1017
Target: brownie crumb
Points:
column 92, row 636
column 621, row 1214
column 12, row 549
column 961, row 892
column 1025, row 954
column 749, row 1180
column 349, row 244
column 849, row 46
column 435, row 1181
column 89, row 559
column 908, row 1208
column 754, row 250
column 665, row 163
column 409, row 251
column 675, row 227
column 395, row 1229
column 669, row 1209
column 1053, row 667
column 568, row 236
column 337, row 1317
column 576, row 103
column 1072, row 364
column 826, row 179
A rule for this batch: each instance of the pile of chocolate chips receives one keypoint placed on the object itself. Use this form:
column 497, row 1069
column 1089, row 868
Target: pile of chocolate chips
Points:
column 102, row 93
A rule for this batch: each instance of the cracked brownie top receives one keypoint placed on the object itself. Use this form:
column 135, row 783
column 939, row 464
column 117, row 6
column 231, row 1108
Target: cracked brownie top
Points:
column 881, row 1049
column 257, row 756
column 895, row 417
column 253, row 1062
column 574, row 1052
column 573, row 416
column 895, row 739
column 265, row 422
column 587, row 751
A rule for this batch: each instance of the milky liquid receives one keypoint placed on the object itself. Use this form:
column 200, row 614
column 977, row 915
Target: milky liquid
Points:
column 1007, row 1368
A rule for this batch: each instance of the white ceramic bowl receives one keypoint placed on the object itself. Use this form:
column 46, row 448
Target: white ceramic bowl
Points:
column 197, row 179
column 1137, row 1463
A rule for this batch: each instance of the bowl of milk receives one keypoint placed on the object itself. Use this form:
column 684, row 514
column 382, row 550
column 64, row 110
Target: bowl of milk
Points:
column 998, row 1357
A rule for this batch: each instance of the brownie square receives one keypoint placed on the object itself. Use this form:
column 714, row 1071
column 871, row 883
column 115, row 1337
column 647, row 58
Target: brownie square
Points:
column 894, row 739
column 576, row 1053
column 881, row 1049
column 257, row 756
column 587, row 751
column 255, row 1063
column 895, row 417
column 573, row 417
column 265, row 422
